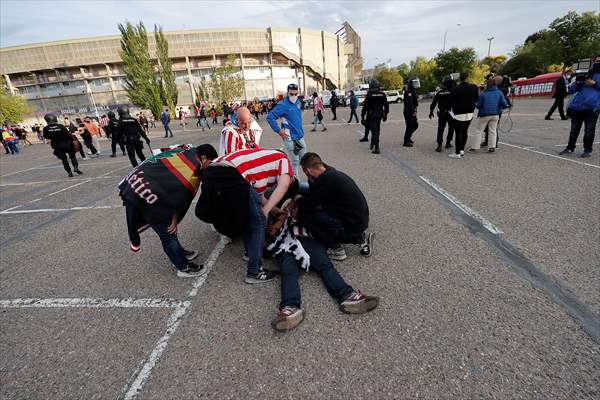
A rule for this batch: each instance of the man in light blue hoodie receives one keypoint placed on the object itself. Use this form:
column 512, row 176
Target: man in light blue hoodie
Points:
column 584, row 109
column 289, row 110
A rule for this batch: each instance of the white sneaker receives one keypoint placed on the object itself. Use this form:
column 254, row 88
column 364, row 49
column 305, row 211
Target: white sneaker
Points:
column 338, row 254
column 454, row 155
column 462, row 152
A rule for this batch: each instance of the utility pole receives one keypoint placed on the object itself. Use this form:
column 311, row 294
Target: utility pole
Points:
column 446, row 34
column 490, row 44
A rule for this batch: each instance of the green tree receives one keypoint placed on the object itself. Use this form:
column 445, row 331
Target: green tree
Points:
column 404, row 70
column 12, row 108
column 389, row 78
column 141, row 83
column 494, row 62
column 454, row 60
column 226, row 82
column 556, row 67
column 165, row 70
column 478, row 73
column 578, row 35
column 424, row 69
column 522, row 65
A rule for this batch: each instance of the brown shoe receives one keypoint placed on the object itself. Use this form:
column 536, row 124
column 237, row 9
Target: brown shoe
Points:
column 358, row 303
column 287, row 318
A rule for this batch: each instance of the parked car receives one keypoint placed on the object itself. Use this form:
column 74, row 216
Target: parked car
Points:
column 393, row 96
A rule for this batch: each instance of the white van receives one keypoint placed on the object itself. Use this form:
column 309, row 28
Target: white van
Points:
column 393, row 96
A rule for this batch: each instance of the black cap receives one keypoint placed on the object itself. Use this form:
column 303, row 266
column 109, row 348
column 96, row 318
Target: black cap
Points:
column 111, row 114
column 292, row 86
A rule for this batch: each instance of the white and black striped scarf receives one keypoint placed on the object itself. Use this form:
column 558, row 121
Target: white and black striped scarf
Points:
column 287, row 241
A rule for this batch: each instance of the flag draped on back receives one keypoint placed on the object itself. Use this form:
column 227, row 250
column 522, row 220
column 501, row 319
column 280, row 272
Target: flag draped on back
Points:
column 163, row 185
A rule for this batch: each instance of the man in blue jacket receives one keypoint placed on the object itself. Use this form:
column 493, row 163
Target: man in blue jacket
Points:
column 165, row 118
column 490, row 105
column 291, row 131
column 584, row 109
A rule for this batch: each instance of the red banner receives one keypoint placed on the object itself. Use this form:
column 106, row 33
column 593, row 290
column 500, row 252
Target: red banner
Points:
column 541, row 85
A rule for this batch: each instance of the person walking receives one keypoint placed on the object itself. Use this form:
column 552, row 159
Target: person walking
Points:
column 410, row 112
column 560, row 92
column 256, row 110
column 144, row 122
column 291, row 130
column 72, row 128
column 583, row 110
column 213, row 114
column 442, row 101
column 462, row 102
column 131, row 131
column 112, row 130
column 375, row 109
column 85, row 134
column 333, row 103
column 9, row 140
column 62, row 143
column 353, row 107
column 202, row 118
column 165, row 118
column 94, row 131
column 318, row 108
column 490, row 105
column 181, row 116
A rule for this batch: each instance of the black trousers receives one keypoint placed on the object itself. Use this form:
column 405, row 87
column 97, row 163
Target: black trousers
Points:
column 444, row 119
column 113, row 144
column 87, row 139
column 411, row 126
column 333, row 111
column 559, row 103
column 374, row 125
column 135, row 147
column 353, row 114
column 62, row 155
column 461, row 129
column 326, row 229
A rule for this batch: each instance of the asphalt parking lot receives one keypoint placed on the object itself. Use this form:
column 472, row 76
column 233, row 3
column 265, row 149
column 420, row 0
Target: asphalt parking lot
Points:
column 488, row 270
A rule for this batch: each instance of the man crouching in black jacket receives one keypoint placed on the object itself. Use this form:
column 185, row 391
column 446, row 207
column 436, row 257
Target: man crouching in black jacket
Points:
column 334, row 209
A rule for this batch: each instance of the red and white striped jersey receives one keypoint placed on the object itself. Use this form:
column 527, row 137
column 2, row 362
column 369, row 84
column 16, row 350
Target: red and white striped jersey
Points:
column 103, row 122
column 234, row 138
column 260, row 168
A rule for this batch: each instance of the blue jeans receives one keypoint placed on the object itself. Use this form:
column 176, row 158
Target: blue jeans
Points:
column 289, row 269
column 168, row 130
column 254, row 234
column 589, row 118
column 12, row 145
column 294, row 158
column 171, row 245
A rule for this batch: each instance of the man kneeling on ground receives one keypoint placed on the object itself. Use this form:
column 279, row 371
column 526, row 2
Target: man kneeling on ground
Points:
column 294, row 249
column 334, row 209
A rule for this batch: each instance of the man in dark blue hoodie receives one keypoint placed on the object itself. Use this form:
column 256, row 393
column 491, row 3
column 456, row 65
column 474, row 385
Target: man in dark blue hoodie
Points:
column 584, row 109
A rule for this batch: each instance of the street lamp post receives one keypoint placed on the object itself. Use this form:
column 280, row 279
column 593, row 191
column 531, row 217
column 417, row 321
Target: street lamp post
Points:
column 446, row 34
column 490, row 44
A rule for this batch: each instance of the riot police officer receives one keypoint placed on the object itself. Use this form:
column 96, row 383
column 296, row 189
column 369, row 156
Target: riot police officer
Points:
column 442, row 100
column 131, row 131
column 410, row 111
column 62, row 141
column 374, row 109
column 112, row 130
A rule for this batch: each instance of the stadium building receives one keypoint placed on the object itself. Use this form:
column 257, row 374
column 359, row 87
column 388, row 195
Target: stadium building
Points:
column 86, row 75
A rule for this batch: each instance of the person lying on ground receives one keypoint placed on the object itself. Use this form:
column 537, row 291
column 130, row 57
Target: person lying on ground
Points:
column 294, row 250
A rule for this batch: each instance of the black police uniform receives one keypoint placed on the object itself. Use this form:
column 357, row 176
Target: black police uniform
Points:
column 62, row 143
column 374, row 109
column 442, row 100
column 131, row 131
column 112, row 129
column 333, row 104
column 410, row 110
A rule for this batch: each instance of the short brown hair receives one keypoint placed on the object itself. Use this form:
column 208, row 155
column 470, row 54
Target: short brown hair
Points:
column 311, row 160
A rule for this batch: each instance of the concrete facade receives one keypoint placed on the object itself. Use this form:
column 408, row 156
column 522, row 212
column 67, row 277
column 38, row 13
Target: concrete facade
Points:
column 85, row 75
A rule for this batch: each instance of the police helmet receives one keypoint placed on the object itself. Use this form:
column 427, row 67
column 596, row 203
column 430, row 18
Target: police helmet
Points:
column 123, row 111
column 374, row 84
column 50, row 118
column 110, row 114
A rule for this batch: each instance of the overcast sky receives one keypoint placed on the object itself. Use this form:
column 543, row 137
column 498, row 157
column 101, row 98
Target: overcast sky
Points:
column 396, row 30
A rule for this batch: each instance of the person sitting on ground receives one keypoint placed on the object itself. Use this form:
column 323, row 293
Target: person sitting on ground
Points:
column 334, row 209
column 294, row 250
column 240, row 133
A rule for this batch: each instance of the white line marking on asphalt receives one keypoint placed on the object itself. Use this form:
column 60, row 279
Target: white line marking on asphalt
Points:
column 60, row 181
column 67, row 188
column 51, row 210
column 90, row 303
column 550, row 155
column 142, row 375
column 487, row 224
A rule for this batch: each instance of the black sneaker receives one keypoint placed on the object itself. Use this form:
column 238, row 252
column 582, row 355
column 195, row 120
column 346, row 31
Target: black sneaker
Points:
column 439, row 148
column 360, row 140
column 113, row 155
column 191, row 270
column 408, row 144
column 78, row 172
column 70, row 174
column 366, row 247
column 190, row 254
column 262, row 276
column 448, row 145
column 566, row 152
